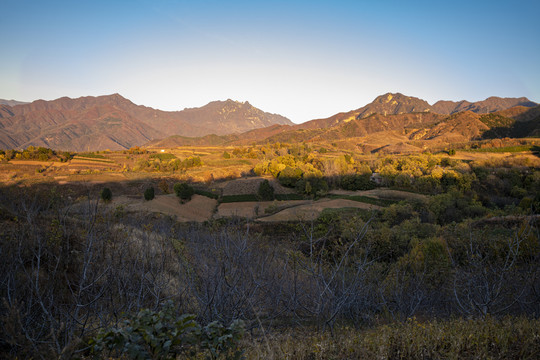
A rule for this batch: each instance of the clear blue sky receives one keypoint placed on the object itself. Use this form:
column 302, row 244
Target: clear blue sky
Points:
column 301, row 59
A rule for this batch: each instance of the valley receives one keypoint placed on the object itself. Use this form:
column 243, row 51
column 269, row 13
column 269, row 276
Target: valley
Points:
column 339, row 232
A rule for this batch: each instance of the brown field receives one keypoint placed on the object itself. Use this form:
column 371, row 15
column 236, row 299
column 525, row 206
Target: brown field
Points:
column 39, row 163
column 227, row 175
column 250, row 185
column 199, row 209
column 311, row 211
column 254, row 209
column 381, row 193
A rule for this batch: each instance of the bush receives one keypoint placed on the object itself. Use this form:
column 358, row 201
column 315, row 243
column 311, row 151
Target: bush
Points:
column 165, row 335
column 266, row 191
column 289, row 176
column 106, row 194
column 357, row 182
column 184, row 191
column 149, row 193
column 313, row 186
column 164, row 186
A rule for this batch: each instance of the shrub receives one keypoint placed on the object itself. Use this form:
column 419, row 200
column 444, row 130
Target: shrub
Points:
column 184, row 191
column 164, row 186
column 313, row 186
column 266, row 191
column 357, row 182
column 106, row 194
column 289, row 176
column 149, row 193
column 165, row 335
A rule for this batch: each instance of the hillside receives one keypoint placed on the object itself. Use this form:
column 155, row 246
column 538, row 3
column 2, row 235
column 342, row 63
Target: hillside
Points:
column 397, row 103
column 399, row 133
column 113, row 122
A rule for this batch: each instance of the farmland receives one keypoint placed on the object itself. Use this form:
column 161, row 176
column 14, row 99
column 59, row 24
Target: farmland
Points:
column 408, row 237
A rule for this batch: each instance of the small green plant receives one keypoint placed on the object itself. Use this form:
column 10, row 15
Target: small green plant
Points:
column 165, row 335
column 106, row 194
column 149, row 193
column 184, row 191
column 266, row 191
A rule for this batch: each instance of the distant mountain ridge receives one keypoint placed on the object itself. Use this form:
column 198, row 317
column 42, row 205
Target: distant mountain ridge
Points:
column 489, row 105
column 12, row 102
column 396, row 122
column 114, row 122
column 397, row 103
column 392, row 119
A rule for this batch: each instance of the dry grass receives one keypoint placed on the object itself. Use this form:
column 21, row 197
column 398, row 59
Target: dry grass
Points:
column 509, row 338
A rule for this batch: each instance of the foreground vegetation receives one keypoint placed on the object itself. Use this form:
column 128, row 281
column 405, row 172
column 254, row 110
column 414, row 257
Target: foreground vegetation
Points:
column 451, row 273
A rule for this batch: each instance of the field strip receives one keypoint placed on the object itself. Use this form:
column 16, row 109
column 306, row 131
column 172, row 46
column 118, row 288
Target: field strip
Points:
column 312, row 211
column 381, row 193
column 253, row 209
column 199, row 209
column 38, row 163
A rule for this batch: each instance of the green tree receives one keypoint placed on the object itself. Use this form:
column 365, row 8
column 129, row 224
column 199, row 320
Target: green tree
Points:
column 106, row 194
column 149, row 193
column 289, row 176
column 266, row 191
column 184, row 191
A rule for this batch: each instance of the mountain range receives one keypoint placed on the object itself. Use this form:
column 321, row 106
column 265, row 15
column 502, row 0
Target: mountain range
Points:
column 392, row 122
column 396, row 123
column 113, row 122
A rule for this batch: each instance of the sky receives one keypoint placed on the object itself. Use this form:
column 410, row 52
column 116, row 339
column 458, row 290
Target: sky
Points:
column 301, row 59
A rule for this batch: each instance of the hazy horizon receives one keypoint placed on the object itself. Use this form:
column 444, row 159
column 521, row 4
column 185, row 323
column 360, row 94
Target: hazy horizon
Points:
column 303, row 60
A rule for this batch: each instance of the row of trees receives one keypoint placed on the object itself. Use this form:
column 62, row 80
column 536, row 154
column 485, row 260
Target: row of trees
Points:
column 166, row 164
column 35, row 153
